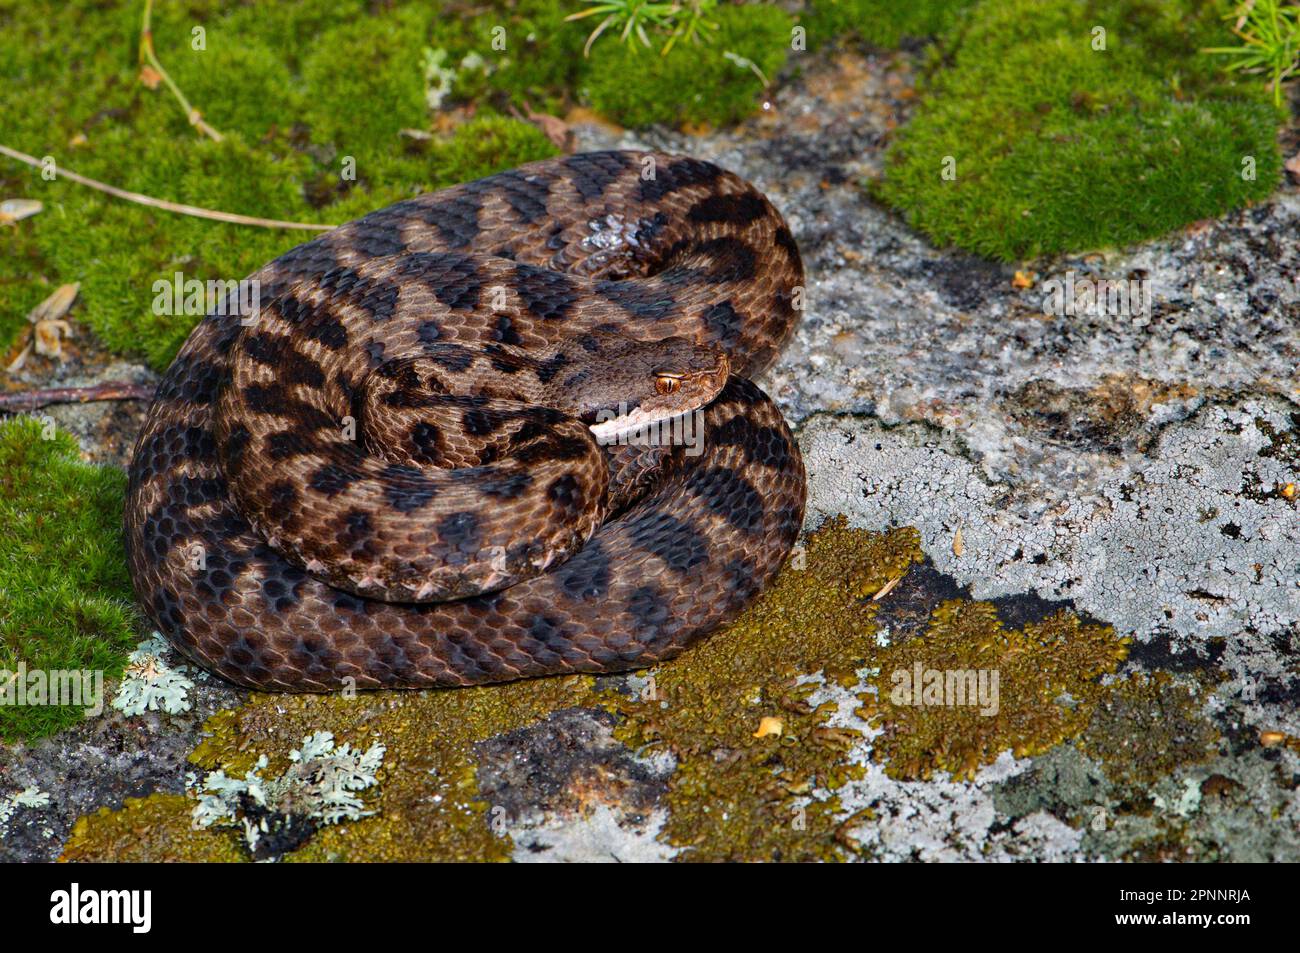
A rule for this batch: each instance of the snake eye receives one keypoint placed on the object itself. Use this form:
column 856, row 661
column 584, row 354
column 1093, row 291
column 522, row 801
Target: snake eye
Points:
column 666, row 384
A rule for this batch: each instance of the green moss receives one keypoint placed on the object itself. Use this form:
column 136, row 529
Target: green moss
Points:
column 521, row 51
column 486, row 145
column 693, row 83
column 293, row 87
column 65, row 599
column 1048, row 687
column 367, row 84
column 1060, row 147
column 884, row 23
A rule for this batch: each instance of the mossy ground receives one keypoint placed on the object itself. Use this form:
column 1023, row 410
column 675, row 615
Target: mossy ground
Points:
column 741, row 789
column 884, row 23
column 298, row 89
column 1057, row 146
column 691, row 84
column 65, row 598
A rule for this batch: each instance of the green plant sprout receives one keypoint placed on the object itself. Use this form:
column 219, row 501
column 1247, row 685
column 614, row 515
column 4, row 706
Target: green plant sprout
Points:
column 1271, row 34
column 679, row 20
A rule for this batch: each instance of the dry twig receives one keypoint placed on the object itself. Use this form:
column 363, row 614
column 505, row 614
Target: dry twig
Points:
column 177, row 207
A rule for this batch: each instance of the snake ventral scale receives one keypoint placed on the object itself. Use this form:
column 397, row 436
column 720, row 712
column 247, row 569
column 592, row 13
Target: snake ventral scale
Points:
column 400, row 471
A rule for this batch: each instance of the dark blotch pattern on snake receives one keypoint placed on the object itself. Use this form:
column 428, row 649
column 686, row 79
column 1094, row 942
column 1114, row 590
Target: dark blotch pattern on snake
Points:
column 280, row 549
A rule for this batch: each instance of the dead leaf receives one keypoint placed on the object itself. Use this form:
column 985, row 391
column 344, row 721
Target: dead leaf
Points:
column 958, row 547
column 769, row 726
column 49, row 336
column 56, row 305
column 1023, row 279
column 1292, row 165
column 150, row 77
column 553, row 127
column 887, row 588
column 15, row 210
column 49, row 329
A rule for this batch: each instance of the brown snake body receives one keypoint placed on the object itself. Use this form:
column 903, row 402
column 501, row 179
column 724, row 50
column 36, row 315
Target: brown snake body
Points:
column 473, row 530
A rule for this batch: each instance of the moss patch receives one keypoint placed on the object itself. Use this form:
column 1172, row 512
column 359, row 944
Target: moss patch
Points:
column 1048, row 687
column 884, row 23
column 157, row 827
column 740, row 797
column 1059, row 146
column 65, row 598
column 693, row 83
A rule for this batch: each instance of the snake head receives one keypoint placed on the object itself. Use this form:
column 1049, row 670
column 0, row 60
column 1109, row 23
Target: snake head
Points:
column 629, row 385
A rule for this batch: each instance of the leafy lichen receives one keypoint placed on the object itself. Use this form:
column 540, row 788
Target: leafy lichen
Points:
column 321, row 786
column 151, row 683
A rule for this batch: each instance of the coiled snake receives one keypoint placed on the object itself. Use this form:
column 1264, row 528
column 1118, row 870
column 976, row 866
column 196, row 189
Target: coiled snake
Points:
column 390, row 475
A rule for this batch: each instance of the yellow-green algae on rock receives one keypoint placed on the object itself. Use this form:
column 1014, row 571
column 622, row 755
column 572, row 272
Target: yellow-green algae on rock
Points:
column 735, row 796
column 154, row 828
column 1048, row 686
column 758, row 766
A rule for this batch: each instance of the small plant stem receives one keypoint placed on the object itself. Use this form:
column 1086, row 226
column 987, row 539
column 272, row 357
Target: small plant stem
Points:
column 177, row 207
column 148, row 55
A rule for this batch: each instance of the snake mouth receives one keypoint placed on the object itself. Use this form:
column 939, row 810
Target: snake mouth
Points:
column 629, row 421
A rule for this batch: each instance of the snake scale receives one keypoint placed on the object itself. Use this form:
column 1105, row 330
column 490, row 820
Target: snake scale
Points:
column 475, row 530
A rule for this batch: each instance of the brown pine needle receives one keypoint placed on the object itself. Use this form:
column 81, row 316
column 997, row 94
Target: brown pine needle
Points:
column 177, row 207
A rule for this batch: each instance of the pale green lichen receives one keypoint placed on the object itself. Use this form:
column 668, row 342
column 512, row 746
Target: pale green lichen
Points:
column 31, row 797
column 151, row 683
column 320, row 787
